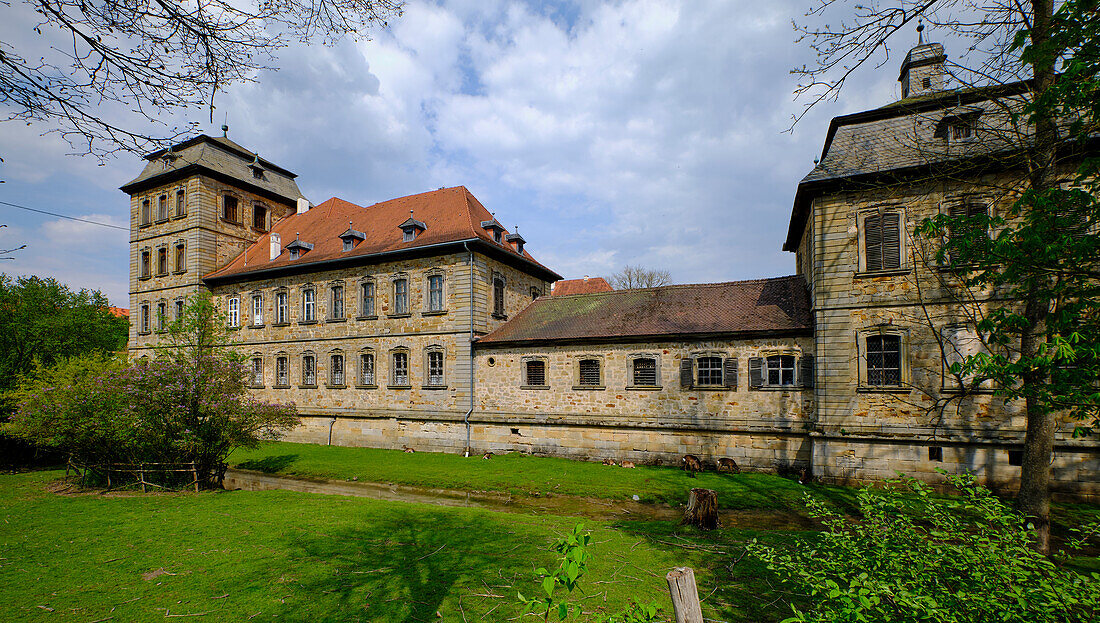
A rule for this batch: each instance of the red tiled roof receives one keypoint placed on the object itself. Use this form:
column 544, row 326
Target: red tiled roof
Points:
column 779, row 305
column 588, row 285
column 118, row 312
column 450, row 215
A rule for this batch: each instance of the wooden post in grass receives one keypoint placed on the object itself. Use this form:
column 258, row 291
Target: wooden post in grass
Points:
column 702, row 509
column 685, row 597
column 195, row 473
column 141, row 475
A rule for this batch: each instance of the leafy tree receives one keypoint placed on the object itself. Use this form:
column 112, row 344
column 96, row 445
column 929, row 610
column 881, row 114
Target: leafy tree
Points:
column 639, row 277
column 42, row 320
column 156, row 59
column 1045, row 252
column 917, row 557
column 189, row 404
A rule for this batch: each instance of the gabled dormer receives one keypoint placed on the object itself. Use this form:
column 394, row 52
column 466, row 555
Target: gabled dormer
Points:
column 516, row 241
column 256, row 168
column 352, row 237
column 495, row 229
column 411, row 228
column 298, row 248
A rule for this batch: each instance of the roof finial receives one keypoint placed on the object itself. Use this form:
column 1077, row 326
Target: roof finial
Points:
column 296, row 234
column 225, row 130
column 920, row 32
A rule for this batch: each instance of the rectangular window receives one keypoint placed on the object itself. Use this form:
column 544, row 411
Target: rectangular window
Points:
column 146, row 261
column 366, row 369
column 162, row 261
column 282, row 309
column 498, row 296
column 435, row 368
column 967, row 227
column 259, row 217
column 145, row 318
column 408, row 234
column 282, row 371
column 589, row 372
column 435, row 293
column 162, row 316
column 179, row 310
column 349, row 244
column 309, row 306
column 146, row 212
column 534, row 372
column 645, row 371
column 257, row 371
column 181, row 258
column 708, row 371
column 400, row 368
column 181, row 203
column 366, row 291
column 960, row 343
column 162, row 208
column 309, row 370
column 229, row 209
column 337, row 303
column 401, row 296
column 257, row 309
column 884, row 360
column 336, row 370
column 234, row 311
column 780, row 369
column 882, row 241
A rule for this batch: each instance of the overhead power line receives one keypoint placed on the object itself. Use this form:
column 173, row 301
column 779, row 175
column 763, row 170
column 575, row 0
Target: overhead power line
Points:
column 71, row 218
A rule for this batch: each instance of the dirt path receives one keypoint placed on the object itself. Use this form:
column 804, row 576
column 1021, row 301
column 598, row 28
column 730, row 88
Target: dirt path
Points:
column 594, row 508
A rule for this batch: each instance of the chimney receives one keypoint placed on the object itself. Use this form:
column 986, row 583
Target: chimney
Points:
column 276, row 245
column 303, row 205
column 923, row 72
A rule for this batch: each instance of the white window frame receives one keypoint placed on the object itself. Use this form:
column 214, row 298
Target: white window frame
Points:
column 282, row 307
column 309, row 304
column 396, row 380
column 233, row 311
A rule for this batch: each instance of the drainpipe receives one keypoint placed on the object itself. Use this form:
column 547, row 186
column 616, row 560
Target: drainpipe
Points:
column 330, row 424
column 470, row 263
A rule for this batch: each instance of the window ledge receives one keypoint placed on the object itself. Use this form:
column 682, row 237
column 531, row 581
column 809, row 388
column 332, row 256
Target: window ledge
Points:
column 258, row 231
column 232, row 328
column 280, row 324
column 331, row 386
column 433, row 387
column 143, row 332
column 162, row 220
column 779, row 388
column 882, row 389
column 970, row 391
column 307, row 322
column 438, row 312
column 895, row 272
column 589, row 387
column 713, row 388
column 145, row 278
column 404, row 315
column 280, row 387
column 366, row 317
column 257, row 386
column 179, row 216
column 357, row 386
column 144, row 225
column 328, row 320
column 307, row 386
column 399, row 387
column 178, row 272
column 236, row 223
column 644, row 388
column 534, row 387
column 256, row 326
column 500, row 316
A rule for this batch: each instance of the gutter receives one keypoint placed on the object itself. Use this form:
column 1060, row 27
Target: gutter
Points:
column 466, row 418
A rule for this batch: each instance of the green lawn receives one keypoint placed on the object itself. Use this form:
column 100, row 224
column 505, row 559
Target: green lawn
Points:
column 527, row 475
column 277, row 555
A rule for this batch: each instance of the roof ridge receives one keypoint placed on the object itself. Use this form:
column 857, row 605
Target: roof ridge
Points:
column 715, row 284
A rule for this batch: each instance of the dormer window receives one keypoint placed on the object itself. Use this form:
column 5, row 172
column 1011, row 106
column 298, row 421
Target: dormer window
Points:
column 411, row 228
column 494, row 228
column 352, row 237
column 516, row 241
column 960, row 127
column 298, row 248
column 257, row 169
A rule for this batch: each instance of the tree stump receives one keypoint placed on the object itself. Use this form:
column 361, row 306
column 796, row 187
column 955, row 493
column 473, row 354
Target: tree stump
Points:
column 685, row 596
column 702, row 509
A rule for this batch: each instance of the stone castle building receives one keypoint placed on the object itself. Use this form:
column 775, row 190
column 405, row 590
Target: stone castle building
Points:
column 422, row 322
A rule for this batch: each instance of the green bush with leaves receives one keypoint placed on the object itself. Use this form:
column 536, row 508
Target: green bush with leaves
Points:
column 915, row 556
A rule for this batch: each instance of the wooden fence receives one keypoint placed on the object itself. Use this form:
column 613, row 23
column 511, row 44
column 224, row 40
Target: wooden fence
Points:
column 140, row 473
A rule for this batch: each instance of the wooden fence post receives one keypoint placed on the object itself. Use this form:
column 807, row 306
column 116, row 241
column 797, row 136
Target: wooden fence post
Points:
column 195, row 472
column 685, row 597
column 141, row 475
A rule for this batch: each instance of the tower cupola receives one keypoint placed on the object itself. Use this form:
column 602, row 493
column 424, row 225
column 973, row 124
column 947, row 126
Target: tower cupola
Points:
column 923, row 71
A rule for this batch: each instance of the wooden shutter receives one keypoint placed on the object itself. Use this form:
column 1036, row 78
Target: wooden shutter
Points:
column 872, row 242
column 806, row 371
column 891, row 241
column 756, row 372
column 729, row 372
column 686, row 373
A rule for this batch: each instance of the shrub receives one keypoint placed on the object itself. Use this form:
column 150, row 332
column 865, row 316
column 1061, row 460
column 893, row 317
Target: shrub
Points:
column 917, row 557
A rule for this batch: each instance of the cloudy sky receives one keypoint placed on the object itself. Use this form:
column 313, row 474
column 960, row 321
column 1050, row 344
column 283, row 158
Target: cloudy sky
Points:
column 647, row 132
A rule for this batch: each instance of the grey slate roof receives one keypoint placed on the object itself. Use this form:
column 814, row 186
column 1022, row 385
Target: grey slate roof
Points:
column 220, row 156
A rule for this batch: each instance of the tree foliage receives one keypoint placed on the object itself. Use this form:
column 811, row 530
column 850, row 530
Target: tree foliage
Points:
column 914, row 556
column 189, row 404
column 639, row 277
column 44, row 321
column 156, row 59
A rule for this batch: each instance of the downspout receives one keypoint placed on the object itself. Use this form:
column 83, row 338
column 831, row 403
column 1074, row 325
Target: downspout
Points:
column 330, row 424
column 466, row 419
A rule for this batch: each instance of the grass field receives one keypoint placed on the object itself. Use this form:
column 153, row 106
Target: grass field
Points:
column 527, row 475
column 275, row 555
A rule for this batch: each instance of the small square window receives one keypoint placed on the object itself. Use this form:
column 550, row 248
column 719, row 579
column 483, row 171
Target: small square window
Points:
column 534, row 372
column 588, row 372
column 935, row 454
column 645, row 371
column 1016, row 458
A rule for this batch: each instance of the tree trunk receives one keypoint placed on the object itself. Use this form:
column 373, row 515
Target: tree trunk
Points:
column 702, row 509
column 1034, row 497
